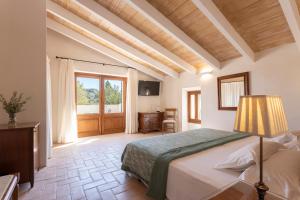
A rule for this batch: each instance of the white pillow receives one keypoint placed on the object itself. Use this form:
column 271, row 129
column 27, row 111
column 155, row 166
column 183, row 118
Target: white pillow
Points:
column 269, row 148
column 284, row 138
column 281, row 174
column 246, row 156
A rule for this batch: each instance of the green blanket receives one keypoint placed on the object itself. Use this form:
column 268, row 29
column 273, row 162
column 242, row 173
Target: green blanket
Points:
column 149, row 159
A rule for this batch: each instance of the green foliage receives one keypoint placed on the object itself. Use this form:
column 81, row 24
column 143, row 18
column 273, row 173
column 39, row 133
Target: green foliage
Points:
column 113, row 95
column 93, row 96
column 15, row 103
column 82, row 96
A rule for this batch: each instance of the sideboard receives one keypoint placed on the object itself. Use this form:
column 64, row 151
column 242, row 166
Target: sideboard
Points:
column 19, row 150
column 150, row 121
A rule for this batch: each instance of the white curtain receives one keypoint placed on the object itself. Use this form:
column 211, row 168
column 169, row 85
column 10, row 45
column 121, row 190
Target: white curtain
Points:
column 231, row 93
column 49, row 109
column 131, row 101
column 66, row 108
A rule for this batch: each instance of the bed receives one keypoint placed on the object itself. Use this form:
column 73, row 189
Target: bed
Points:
column 194, row 177
column 182, row 163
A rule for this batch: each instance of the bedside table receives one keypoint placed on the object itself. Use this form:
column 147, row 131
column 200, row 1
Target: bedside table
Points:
column 243, row 191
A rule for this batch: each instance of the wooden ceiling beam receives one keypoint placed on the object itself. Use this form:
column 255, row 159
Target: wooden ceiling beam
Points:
column 291, row 13
column 134, row 33
column 108, row 38
column 165, row 24
column 57, row 27
column 210, row 10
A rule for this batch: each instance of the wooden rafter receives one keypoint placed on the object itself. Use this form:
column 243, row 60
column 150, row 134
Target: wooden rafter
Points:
column 165, row 24
column 57, row 27
column 292, row 16
column 134, row 34
column 210, row 10
column 102, row 35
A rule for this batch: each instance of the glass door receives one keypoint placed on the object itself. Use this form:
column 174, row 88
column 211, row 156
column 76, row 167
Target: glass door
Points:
column 88, row 104
column 101, row 104
column 114, row 107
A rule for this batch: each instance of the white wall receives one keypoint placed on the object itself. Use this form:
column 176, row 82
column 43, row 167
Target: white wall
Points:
column 59, row 45
column 23, row 59
column 173, row 95
column 276, row 72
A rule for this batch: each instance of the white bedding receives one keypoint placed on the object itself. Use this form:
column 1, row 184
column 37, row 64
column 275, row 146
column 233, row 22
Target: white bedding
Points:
column 194, row 177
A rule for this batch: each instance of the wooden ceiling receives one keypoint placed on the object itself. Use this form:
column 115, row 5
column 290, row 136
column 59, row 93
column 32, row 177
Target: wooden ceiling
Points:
column 298, row 5
column 189, row 19
column 261, row 23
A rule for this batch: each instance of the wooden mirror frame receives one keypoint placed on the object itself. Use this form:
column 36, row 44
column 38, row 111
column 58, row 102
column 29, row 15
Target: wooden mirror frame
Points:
column 245, row 75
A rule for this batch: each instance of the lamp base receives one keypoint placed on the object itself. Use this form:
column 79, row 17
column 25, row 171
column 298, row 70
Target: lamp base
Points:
column 261, row 190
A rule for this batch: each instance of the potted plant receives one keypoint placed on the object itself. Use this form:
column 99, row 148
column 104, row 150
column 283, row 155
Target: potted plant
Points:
column 13, row 106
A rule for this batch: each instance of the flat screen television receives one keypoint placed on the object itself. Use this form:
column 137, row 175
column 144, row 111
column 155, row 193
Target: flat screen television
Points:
column 149, row 88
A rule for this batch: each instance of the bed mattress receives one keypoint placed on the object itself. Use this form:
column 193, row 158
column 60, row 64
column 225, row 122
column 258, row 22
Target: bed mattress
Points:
column 194, row 177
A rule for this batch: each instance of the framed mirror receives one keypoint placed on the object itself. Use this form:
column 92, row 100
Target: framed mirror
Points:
column 230, row 88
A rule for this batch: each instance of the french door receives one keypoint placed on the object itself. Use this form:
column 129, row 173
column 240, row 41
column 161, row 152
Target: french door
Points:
column 101, row 104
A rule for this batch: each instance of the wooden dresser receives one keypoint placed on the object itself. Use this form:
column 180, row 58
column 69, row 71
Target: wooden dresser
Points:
column 149, row 122
column 19, row 150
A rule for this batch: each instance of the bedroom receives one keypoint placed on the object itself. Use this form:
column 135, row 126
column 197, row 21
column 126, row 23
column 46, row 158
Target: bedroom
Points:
column 185, row 46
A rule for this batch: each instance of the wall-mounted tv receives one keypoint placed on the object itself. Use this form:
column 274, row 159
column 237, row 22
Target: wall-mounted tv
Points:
column 149, row 88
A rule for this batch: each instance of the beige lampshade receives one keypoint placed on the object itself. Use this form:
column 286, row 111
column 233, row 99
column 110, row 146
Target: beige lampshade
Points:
column 261, row 115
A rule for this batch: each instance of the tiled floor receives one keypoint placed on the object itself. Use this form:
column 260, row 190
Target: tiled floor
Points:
column 89, row 169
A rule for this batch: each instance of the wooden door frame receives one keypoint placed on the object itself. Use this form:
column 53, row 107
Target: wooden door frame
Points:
column 102, row 113
column 124, row 93
column 196, row 93
column 95, row 76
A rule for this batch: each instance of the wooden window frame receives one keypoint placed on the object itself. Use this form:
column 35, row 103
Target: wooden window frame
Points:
column 101, row 79
column 196, row 120
column 88, row 75
column 102, row 116
column 124, row 86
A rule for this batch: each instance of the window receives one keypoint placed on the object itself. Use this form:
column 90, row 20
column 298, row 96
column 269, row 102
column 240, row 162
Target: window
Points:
column 87, row 92
column 101, row 104
column 113, row 96
column 194, row 107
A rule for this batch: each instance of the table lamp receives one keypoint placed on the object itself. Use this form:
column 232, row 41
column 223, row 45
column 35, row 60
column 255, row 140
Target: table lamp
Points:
column 263, row 116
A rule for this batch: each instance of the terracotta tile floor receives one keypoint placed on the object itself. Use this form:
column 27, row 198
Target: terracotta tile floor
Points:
column 89, row 169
